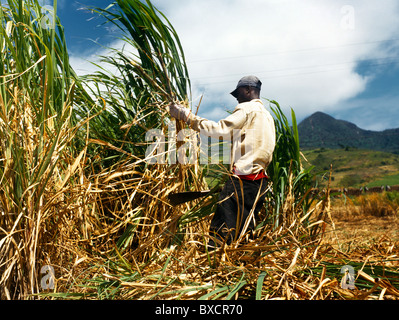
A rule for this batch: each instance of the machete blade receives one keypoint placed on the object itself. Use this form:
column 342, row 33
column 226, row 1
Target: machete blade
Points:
column 182, row 197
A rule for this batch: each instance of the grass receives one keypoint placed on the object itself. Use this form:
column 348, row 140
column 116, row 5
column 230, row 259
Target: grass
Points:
column 388, row 180
column 77, row 194
column 355, row 168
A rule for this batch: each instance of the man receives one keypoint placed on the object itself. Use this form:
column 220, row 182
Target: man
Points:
column 253, row 140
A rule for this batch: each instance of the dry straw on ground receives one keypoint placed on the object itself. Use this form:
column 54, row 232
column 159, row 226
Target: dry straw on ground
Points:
column 77, row 196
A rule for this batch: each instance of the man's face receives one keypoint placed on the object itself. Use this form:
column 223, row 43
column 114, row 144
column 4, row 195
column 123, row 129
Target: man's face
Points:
column 243, row 94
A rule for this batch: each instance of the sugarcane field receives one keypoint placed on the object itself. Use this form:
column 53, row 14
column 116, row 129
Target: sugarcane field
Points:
column 112, row 184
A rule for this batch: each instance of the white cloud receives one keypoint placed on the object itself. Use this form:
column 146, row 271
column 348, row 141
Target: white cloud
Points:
column 90, row 61
column 305, row 52
column 85, row 64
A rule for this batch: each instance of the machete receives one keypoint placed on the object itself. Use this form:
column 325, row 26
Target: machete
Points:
column 182, row 197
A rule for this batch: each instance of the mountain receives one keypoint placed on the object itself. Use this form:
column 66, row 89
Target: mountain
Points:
column 323, row 131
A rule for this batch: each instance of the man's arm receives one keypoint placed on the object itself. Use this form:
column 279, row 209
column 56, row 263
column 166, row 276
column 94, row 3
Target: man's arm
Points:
column 208, row 127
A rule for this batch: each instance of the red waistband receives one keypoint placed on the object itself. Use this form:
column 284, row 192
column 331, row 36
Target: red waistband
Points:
column 253, row 176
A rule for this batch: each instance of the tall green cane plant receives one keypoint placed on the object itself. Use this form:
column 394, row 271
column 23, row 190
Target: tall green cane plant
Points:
column 147, row 74
column 137, row 83
column 286, row 172
column 37, row 127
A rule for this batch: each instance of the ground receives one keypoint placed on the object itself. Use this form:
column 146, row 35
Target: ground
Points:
column 363, row 228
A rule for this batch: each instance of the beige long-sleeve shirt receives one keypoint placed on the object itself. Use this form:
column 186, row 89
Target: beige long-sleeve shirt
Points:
column 252, row 132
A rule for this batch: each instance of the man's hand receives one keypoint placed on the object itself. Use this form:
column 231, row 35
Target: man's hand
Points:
column 179, row 112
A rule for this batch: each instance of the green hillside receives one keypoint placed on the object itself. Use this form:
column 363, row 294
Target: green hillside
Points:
column 354, row 167
column 323, row 131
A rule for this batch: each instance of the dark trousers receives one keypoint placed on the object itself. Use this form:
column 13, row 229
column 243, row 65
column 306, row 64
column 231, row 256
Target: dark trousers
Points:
column 237, row 201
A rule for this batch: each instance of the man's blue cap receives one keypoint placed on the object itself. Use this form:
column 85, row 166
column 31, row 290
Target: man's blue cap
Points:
column 247, row 81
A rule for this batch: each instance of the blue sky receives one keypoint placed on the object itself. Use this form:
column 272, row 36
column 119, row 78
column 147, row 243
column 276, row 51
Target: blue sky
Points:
column 339, row 57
